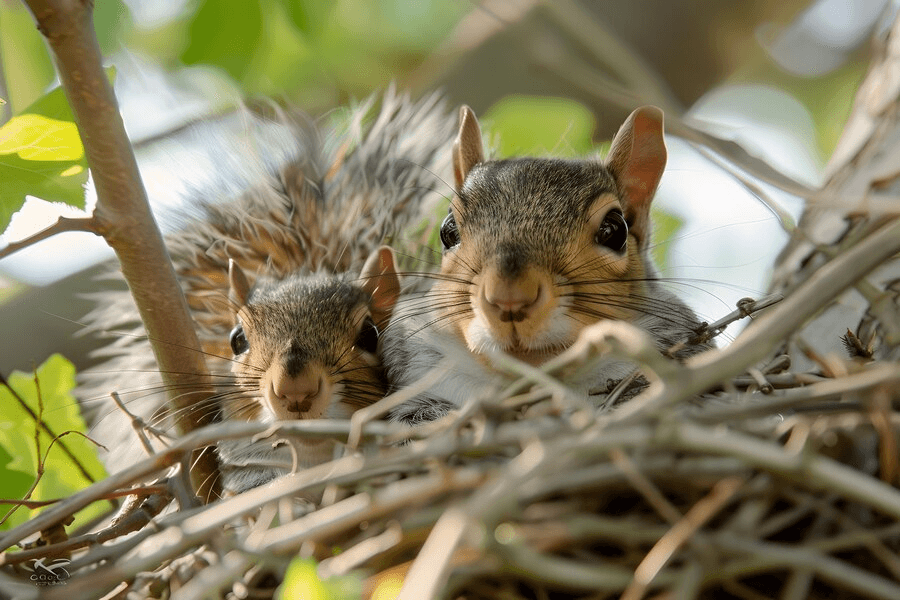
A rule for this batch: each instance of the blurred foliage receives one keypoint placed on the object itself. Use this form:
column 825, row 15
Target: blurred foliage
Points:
column 26, row 63
column 828, row 97
column 27, row 67
column 111, row 20
column 24, row 444
column 665, row 227
column 318, row 52
column 9, row 289
column 302, row 581
column 527, row 125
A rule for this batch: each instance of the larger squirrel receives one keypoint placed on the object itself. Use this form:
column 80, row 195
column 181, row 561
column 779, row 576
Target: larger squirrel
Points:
column 285, row 280
column 534, row 250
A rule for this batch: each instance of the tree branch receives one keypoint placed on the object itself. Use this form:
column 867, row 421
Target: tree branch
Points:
column 756, row 342
column 122, row 215
column 62, row 224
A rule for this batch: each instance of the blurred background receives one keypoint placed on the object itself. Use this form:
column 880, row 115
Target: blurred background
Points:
column 766, row 83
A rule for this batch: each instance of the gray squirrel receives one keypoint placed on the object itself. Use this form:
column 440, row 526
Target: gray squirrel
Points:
column 286, row 279
column 534, row 250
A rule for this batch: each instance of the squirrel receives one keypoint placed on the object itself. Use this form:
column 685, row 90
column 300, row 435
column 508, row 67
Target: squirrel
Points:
column 286, row 279
column 534, row 250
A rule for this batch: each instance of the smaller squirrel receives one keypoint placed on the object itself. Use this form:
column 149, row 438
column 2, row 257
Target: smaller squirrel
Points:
column 286, row 278
column 534, row 250
column 288, row 364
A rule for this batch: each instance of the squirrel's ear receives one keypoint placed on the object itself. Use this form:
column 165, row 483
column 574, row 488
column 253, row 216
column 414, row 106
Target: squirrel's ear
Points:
column 238, row 286
column 637, row 160
column 467, row 148
column 380, row 280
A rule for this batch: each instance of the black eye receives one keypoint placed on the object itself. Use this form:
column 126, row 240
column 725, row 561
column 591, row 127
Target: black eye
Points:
column 449, row 232
column 368, row 336
column 239, row 343
column 613, row 231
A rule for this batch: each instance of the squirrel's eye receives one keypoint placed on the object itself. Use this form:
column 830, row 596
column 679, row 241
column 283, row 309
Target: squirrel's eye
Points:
column 368, row 336
column 613, row 231
column 449, row 232
column 239, row 343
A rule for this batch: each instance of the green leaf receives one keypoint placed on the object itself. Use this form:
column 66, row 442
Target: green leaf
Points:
column 41, row 155
column 52, row 105
column 26, row 65
column 51, row 399
column 225, row 33
column 302, row 581
column 36, row 137
column 58, row 181
column 13, row 482
column 111, row 18
column 309, row 16
column 283, row 52
column 539, row 126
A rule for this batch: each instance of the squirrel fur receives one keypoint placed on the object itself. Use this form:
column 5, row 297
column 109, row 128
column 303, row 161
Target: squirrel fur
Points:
column 285, row 279
column 534, row 250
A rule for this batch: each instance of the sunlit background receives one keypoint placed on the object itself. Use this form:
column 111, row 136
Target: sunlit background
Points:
column 555, row 77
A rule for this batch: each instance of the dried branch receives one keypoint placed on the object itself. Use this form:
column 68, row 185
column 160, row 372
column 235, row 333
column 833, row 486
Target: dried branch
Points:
column 171, row 456
column 757, row 341
column 667, row 545
column 884, row 374
column 767, row 554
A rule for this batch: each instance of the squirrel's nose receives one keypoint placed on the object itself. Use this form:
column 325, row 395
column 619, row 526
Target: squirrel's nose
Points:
column 514, row 300
column 296, row 393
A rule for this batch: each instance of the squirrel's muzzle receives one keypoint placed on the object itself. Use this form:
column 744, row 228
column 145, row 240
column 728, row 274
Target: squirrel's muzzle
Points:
column 303, row 395
column 514, row 299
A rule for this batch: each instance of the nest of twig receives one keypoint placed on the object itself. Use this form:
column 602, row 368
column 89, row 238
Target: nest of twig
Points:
column 769, row 484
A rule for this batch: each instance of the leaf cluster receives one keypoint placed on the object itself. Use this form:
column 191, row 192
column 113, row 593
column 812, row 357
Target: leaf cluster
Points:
column 44, row 452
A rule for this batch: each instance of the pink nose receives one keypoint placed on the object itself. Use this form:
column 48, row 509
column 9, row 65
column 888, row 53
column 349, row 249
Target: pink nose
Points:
column 514, row 300
column 297, row 393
